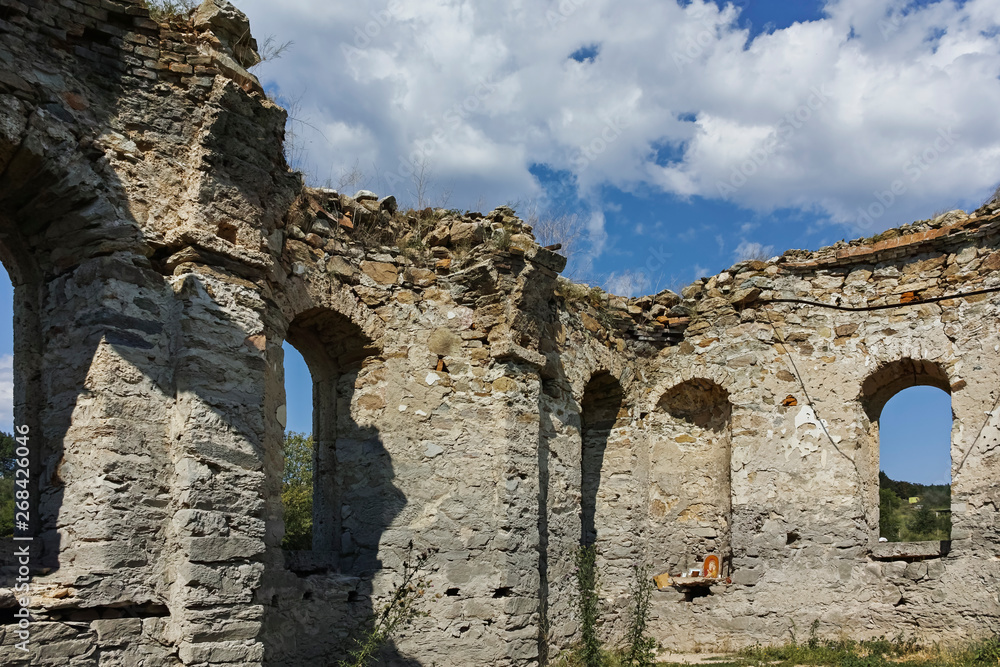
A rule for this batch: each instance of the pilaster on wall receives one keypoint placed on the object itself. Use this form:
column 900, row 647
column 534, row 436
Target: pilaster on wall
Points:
column 517, row 508
column 218, row 432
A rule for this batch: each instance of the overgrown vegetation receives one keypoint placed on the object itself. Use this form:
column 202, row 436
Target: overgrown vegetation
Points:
column 640, row 648
column 297, row 491
column 588, row 605
column 395, row 614
column 881, row 652
column 163, row 10
column 7, row 445
column 993, row 198
column 927, row 519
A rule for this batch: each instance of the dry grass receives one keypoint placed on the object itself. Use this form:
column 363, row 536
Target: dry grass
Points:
column 163, row 10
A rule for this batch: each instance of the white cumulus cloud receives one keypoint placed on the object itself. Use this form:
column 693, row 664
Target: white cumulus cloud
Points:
column 881, row 109
column 6, row 393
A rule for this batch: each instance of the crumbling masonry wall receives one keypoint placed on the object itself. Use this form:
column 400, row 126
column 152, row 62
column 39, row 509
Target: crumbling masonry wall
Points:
column 468, row 400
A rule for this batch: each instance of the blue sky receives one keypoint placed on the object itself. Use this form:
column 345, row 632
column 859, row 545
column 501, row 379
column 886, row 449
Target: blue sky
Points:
column 915, row 436
column 669, row 139
column 642, row 130
column 680, row 137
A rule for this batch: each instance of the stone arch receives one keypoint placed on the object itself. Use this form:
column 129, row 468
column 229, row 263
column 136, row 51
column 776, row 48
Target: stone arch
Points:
column 602, row 360
column 334, row 347
column 885, row 382
column 713, row 374
column 27, row 389
column 603, row 400
column 690, row 490
column 892, row 377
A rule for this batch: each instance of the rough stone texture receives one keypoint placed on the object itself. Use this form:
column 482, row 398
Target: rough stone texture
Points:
column 466, row 398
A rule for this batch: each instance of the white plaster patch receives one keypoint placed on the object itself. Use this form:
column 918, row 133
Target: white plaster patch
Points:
column 432, row 378
column 402, row 408
column 806, row 416
column 807, row 428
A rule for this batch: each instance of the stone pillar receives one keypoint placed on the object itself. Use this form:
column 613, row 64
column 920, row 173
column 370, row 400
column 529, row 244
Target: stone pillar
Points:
column 218, row 428
column 517, row 505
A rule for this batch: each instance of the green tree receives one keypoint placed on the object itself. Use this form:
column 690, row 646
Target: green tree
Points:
column 924, row 525
column 888, row 515
column 640, row 647
column 297, row 491
column 7, row 445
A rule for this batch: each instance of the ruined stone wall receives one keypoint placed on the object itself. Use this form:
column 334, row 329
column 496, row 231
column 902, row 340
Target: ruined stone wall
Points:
column 126, row 155
column 806, row 384
column 467, row 400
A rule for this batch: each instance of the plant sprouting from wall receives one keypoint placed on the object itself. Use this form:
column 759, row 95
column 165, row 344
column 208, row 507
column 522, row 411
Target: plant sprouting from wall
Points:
column 588, row 605
column 640, row 648
column 163, row 10
column 395, row 614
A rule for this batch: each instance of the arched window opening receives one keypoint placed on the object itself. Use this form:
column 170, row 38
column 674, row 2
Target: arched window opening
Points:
column 602, row 401
column 322, row 350
column 907, row 475
column 7, row 443
column 690, row 491
column 915, row 466
column 297, row 479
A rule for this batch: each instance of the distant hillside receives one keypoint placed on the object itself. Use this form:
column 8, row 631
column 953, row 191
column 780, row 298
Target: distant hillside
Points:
column 938, row 496
column 927, row 519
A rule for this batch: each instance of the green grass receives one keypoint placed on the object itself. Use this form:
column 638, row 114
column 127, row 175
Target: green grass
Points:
column 871, row 653
column 575, row 659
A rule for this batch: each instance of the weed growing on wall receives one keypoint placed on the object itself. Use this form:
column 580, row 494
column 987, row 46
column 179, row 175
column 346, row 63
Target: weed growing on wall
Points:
column 395, row 614
column 640, row 648
column 588, row 605
column 161, row 10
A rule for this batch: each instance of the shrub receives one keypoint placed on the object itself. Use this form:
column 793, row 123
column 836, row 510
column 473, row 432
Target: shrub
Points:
column 395, row 614
column 501, row 240
column 7, row 446
column 640, row 648
column 162, row 10
column 588, row 605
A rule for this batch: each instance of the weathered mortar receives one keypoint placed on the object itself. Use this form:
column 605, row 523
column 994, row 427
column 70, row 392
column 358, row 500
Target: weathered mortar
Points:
column 467, row 398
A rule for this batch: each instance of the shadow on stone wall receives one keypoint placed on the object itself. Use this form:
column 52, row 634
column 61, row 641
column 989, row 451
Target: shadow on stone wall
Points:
column 138, row 387
column 602, row 400
column 65, row 239
column 316, row 604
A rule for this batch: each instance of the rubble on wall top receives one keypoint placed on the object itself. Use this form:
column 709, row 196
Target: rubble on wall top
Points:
column 443, row 239
column 904, row 238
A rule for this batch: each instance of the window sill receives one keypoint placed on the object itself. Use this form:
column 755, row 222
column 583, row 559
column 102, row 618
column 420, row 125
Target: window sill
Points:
column 311, row 562
column 910, row 550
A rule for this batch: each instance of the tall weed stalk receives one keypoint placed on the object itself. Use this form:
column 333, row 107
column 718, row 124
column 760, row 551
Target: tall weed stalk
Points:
column 640, row 648
column 589, row 605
